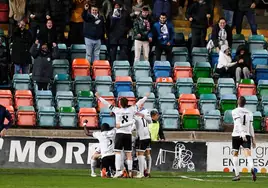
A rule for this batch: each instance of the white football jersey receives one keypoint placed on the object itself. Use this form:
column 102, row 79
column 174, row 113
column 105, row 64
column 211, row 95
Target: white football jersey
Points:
column 106, row 140
column 142, row 125
column 243, row 122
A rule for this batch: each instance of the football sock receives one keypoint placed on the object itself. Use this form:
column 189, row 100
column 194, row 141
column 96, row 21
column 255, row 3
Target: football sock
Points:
column 129, row 165
column 141, row 159
column 149, row 163
column 145, row 165
column 118, row 162
column 93, row 165
column 235, row 161
column 250, row 162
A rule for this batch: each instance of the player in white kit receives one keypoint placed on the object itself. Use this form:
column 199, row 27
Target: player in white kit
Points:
column 243, row 135
column 142, row 120
column 124, row 118
column 106, row 142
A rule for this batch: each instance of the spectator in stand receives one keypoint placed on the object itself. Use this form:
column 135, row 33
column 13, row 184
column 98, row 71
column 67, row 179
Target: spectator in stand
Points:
column 38, row 11
column 225, row 63
column 155, row 128
column 246, row 8
column 163, row 31
column 244, row 64
column 48, row 34
column 161, row 6
column 76, row 35
column 198, row 14
column 60, row 12
column 229, row 8
column 42, row 68
column 20, row 56
column 3, row 63
column 4, row 114
column 142, row 27
column 94, row 29
column 221, row 35
column 118, row 26
column 137, row 9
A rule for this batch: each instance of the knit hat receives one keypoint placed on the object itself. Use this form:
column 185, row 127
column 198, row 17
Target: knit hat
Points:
column 224, row 48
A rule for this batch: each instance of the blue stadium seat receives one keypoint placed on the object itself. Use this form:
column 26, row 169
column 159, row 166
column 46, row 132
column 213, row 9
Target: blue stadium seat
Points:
column 106, row 117
column 122, row 83
column 261, row 72
column 259, row 57
column 162, row 69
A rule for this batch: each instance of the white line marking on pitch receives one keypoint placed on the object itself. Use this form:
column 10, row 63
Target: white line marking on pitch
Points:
column 196, row 179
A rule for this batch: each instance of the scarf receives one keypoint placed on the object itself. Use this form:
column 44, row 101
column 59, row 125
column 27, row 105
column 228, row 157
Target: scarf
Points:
column 164, row 30
column 117, row 13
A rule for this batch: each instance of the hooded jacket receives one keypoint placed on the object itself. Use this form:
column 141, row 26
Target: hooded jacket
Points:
column 246, row 57
column 224, row 59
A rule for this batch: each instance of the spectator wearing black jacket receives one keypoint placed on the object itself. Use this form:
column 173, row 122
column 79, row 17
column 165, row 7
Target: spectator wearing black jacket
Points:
column 198, row 14
column 21, row 44
column 4, row 114
column 42, row 68
column 48, row 34
column 3, row 63
column 246, row 8
column 38, row 11
column 60, row 14
column 94, row 29
column 229, row 7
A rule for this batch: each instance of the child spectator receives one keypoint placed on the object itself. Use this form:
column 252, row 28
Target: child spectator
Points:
column 155, row 128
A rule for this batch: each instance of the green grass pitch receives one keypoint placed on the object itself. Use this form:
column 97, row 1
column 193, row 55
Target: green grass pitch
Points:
column 47, row 178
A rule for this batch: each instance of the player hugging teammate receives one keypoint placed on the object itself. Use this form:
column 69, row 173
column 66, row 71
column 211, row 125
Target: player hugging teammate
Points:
column 116, row 144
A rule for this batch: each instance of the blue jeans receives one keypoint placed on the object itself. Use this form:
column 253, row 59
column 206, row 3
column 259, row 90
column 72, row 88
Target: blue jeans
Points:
column 92, row 49
column 251, row 20
column 229, row 16
column 24, row 69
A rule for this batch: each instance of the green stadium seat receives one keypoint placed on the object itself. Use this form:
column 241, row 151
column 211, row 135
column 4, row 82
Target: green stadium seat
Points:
column 85, row 99
column 207, row 102
column 64, row 98
column 21, row 82
column 228, row 102
column 67, row 117
column 191, row 119
column 212, row 120
column 202, row 70
column 60, row 66
column 170, row 119
column 121, row 68
column 263, row 87
column 82, row 83
column 184, row 86
column 257, row 121
column 47, row 116
column 205, row 86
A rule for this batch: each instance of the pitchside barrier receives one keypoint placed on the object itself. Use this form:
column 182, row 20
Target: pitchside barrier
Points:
column 61, row 153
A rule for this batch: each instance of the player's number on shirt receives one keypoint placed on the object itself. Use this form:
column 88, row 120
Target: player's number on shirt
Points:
column 125, row 119
column 144, row 123
column 244, row 120
column 110, row 142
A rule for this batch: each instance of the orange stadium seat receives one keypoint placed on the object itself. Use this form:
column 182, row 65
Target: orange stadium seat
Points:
column 6, row 98
column 12, row 112
column 80, row 67
column 23, row 98
column 108, row 97
column 26, row 116
column 101, row 68
column 181, row 71
column 246, row 87
column 91, row 115
column 187, row 101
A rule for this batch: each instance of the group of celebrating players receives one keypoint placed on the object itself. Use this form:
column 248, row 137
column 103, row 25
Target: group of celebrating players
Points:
column 116, row 145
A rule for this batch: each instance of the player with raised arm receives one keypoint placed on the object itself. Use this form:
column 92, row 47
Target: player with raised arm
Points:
column 243, row 135
column 124, row 118
column 106, row 141
column 142, row 119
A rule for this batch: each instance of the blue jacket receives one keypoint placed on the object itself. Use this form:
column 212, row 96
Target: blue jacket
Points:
column 161, row 39
column 4, row 113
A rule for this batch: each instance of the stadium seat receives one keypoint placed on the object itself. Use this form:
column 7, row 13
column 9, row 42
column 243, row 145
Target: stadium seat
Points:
column 144, row 85
column 207, row 102
column 205, row 86
column 141, row 69
column 89, row 114
column 257, row 121
column 261, row 72
column 82, row 83
column 162, row 69
column 64, row 98
column 182, row 70
column 150, row 103
column 121, row 68
column 63, row 50
column 43, row 98
column 228, row 121
column 47, row 116
column 67, row 117
column 199, row 54
column 262, row 87
column 259, row 57
column 60, row 66
column 179, row 39
column 80, row 67
column 212, row 120
column 228, row 102
column 129, row 95
column 187, row 101
column 77, row 51
column 179, row 54
column 122, row 83
column 103, row 84
column 251, row 103
column 23, row 98
column 12, row 112
column 246, row 87
column 164, row 85
column 191, row 119
column 108, row 96
column 170, row 119
column 107, row 117
column 101, row 68
column 166, row 101
column 256, row 42
column 214, row 57
column 202, row 70
column 264, row 105
column 26, row 116
column 62, row 82
column 226, row 86
column 238, row 39
column 6, row 98
column 85, row 99
column 21, row 82
column 184, row 86
column 103, row 52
